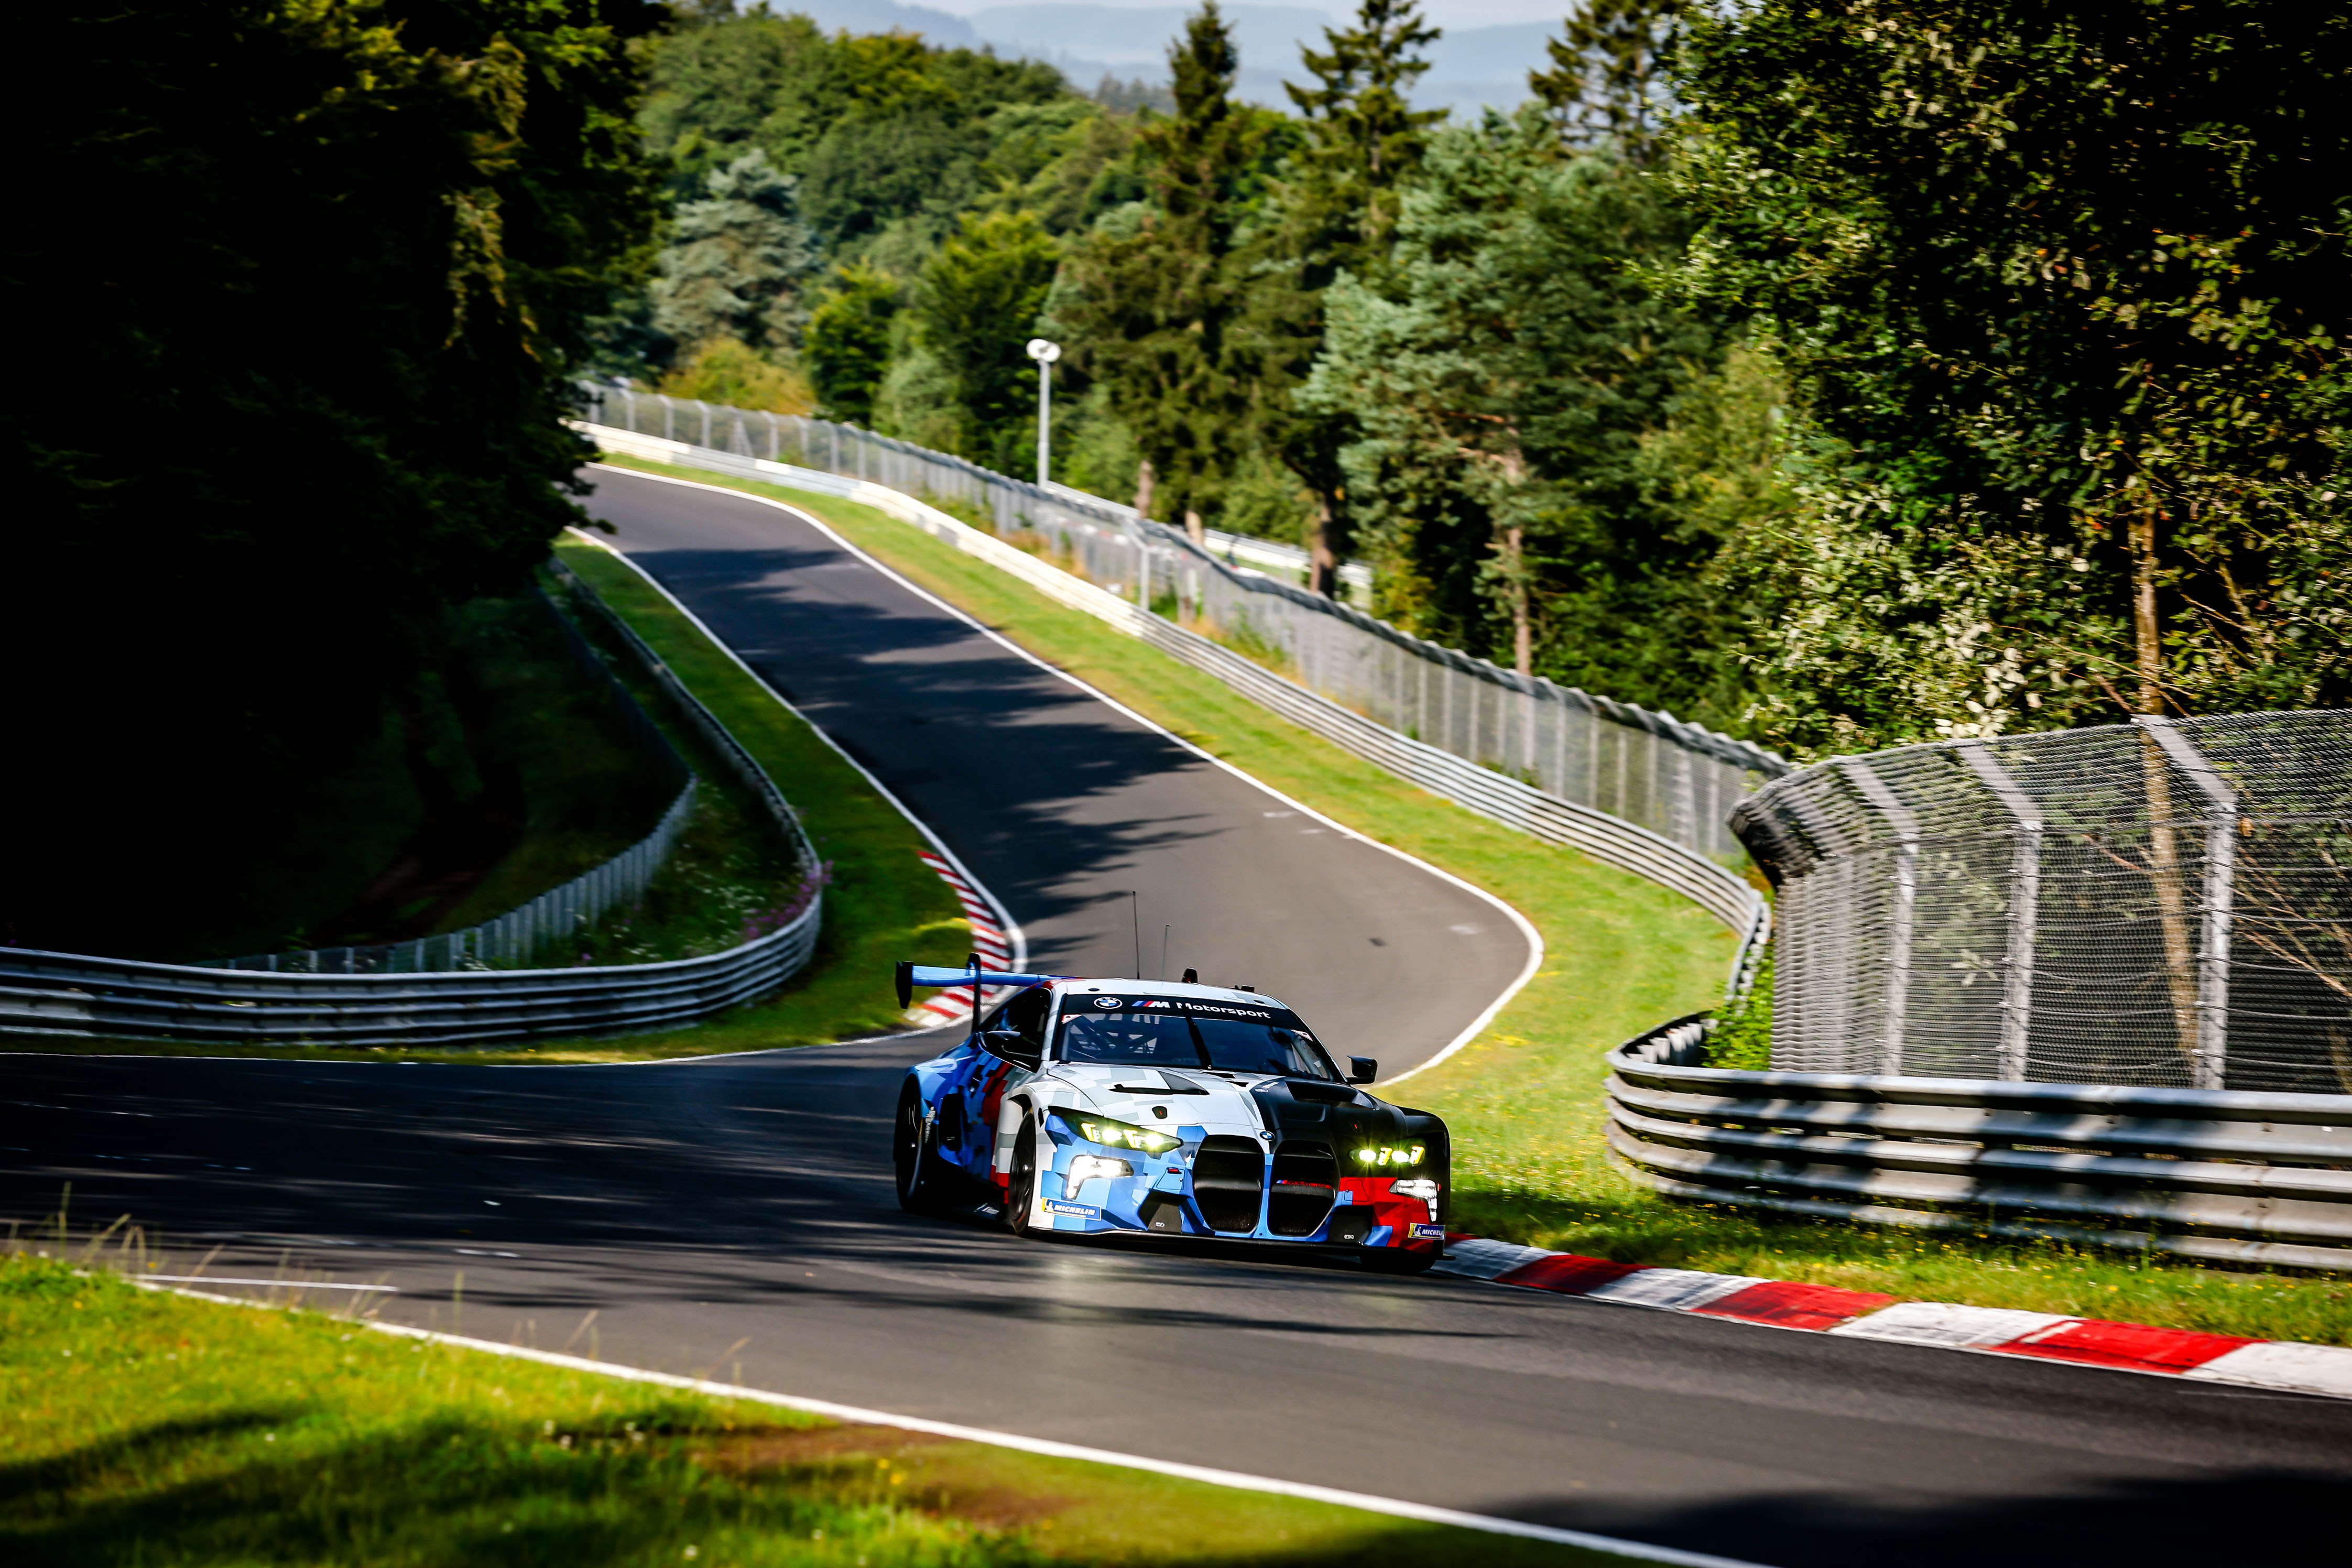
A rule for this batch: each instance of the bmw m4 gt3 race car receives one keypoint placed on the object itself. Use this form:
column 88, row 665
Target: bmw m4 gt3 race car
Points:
column 1106, row 1106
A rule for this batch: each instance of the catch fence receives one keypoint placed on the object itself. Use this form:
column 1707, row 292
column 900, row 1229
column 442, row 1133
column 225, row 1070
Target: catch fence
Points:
column 2164, row 903
column 1675, row 779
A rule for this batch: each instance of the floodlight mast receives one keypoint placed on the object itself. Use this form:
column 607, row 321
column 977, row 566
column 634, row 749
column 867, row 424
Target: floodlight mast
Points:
column 1045, row 354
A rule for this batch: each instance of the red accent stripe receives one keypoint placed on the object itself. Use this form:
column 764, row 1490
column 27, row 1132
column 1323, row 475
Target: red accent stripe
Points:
column 2098, row 1343
column 1568, row 1274
column 1795, row 1305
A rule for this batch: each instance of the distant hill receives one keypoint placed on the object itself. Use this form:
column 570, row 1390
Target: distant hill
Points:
column 1468, row 68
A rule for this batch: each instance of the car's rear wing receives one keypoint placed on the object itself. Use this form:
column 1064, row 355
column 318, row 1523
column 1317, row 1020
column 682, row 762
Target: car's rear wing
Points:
column 913, row 975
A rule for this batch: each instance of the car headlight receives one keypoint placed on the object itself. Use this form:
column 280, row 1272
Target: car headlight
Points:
column 1120, row 1134
column 1391, row 1155
column 1424, row 1189
column 1085, row 1168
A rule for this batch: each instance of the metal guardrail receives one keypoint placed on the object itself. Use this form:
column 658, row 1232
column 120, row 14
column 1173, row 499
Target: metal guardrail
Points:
column 2233, row 1176
column 1605, row 837
column 74, row 994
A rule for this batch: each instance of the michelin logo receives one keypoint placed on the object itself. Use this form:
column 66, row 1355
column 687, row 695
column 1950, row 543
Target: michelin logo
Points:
column 1427, row 1232
column 1082, row 1210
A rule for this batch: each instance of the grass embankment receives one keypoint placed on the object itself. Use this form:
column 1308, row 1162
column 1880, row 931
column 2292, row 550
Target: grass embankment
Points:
column 1523, row 1100
column 882, row 903
column 159, row 1430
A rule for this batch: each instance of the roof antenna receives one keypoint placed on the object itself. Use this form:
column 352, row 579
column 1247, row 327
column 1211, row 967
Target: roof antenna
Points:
column 1135, row 923
column 1164, row 951
column 1192, row 978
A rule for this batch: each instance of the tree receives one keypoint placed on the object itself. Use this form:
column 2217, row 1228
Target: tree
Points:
column 846, row 346
column 1506, row 379
column 976, row 306
column 1336, row 213
column 2060, row 292
column 1609, row 73
column 304, row 373
column 1154, row 296
column 735, row 260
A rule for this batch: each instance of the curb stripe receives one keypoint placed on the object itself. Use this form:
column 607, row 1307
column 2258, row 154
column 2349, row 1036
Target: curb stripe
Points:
column 1866, row 1315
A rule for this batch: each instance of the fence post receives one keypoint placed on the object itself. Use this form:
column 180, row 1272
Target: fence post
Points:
column 2024, row 897
column 1906, row 892
column 2220, row 877
column 669, row 418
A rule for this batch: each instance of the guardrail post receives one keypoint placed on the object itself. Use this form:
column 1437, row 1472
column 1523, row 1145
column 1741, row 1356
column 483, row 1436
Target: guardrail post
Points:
column 2220, row 877
column 2024, row 899
column 1907, row 893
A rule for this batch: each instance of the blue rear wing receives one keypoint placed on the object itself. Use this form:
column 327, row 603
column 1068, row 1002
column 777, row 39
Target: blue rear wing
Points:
column 913, row 975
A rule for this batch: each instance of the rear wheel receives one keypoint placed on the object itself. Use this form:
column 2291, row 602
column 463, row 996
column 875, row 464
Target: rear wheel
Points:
column 1021, row 1191
column 922, row 1174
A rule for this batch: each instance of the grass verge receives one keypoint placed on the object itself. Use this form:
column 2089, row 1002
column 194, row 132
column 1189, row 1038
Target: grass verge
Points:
column 165, row 1431
column 1523, row 1100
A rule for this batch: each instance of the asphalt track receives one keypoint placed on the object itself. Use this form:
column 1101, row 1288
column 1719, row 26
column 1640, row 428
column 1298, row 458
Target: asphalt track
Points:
column 733, row 1218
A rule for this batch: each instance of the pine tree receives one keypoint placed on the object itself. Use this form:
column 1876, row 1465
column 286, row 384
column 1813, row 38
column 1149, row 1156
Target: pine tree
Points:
column 1154, row 303
column 1608, row 74
column 975, row 305
column 735, row 260
column 1338, row 209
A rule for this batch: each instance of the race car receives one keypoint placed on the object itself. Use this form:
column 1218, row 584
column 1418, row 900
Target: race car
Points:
column 1151, row 1108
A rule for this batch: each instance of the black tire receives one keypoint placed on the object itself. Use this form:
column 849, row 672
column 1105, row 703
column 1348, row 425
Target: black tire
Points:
column 922, row 1174
column 1020, row 1190
column 1397, row 1260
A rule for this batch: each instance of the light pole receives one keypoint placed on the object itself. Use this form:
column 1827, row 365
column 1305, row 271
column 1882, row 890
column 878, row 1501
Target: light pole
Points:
column 1045, row 354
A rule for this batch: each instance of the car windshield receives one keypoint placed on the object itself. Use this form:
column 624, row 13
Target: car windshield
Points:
column 1183, row 1033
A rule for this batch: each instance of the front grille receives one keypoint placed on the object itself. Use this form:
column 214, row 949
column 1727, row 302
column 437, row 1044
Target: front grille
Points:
column 1304, row 1180
column 1227, row 1176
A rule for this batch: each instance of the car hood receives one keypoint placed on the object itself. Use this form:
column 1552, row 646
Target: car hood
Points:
column 1247, row 1104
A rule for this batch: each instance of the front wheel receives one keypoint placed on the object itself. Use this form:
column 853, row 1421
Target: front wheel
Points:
column 921, row 1175
column 1021, row 1189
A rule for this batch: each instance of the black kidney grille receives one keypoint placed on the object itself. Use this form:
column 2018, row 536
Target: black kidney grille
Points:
column 1304, row 1178
column 1227, row 1176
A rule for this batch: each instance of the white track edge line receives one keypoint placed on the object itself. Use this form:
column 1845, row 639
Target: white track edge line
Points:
column 1012, row 927
column 1364, row 1502
column 1533, row 938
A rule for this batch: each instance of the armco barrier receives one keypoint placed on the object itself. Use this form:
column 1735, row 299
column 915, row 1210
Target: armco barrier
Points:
column 2239, row 1177
column 71, row 994
column 1498, row 795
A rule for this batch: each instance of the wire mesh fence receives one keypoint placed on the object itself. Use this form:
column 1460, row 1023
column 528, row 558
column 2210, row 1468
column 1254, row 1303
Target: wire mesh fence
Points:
column 2164, row 903
column 1676, row 779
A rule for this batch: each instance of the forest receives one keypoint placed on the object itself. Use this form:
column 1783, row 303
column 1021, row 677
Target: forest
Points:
column 1836, row 374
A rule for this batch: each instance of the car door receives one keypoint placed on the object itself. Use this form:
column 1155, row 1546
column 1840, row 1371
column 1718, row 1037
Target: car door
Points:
column 1010, row 1041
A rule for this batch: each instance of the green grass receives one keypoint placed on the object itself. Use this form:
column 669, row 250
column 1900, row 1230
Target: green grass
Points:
column 1523, row 1100
column 158, row 1430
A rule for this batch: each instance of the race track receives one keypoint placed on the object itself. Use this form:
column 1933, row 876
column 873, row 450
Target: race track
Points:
column 734, row 1217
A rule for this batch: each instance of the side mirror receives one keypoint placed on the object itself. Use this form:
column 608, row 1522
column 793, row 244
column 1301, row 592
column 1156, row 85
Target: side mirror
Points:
column 1362, row 1070
column 1010, row 1044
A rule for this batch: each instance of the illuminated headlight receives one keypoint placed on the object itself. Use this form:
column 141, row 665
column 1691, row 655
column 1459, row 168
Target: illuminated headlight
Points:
column 1424, row 1189
column 1085, row 1168
column 1120, row 1134
column 1391, row 1155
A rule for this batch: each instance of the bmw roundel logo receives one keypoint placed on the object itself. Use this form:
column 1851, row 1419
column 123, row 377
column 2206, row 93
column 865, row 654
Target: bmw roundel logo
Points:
column 1105, row 1001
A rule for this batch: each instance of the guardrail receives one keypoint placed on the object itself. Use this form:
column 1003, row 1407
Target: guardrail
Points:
column 2227, row 1175
column 1519, row 805
column 74, row 994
